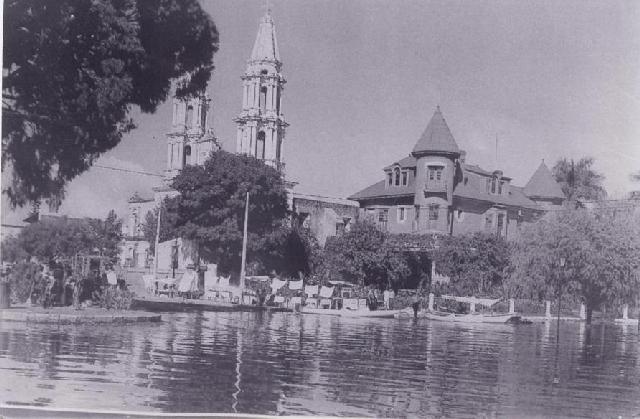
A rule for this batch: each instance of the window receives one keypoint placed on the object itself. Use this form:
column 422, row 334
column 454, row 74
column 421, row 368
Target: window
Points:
column 263, row 98
column 500, row 187
column 405, row 178
column 500, row 224
column 339, row 229
column 402, row 214
column 260, row 145
column 189, row 117
column 383, row 215
column 493, row 185
column 397, row 176
column 488, row 185
column 186, row 155
column 264, row 72
column 434, row 209
column 390, row 179
column 434, row 173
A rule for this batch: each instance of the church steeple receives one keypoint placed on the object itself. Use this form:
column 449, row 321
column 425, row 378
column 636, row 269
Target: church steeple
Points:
column 261, row 125
column 190, row 139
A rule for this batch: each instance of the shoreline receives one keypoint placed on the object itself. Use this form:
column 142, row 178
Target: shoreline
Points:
column 69, row 315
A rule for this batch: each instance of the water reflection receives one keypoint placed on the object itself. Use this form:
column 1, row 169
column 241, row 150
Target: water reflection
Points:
column 293, row 364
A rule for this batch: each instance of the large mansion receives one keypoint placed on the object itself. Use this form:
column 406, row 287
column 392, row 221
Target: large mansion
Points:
column 435, row 190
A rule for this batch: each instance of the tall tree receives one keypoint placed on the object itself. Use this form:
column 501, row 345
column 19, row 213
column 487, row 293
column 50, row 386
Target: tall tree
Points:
column 590, row 256
column 108, row 234
column 476, row 264
column 73, row 70
column 210, row 208
column 579, row 180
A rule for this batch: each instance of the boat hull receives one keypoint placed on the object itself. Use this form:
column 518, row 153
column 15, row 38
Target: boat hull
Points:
column 471, row 318
column 379, row 314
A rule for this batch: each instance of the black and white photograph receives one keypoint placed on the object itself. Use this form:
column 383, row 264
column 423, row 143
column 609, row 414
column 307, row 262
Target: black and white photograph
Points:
column 320, row 208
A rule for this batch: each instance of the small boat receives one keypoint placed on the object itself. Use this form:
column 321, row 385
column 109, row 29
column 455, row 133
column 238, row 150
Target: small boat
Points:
column 323, row 311
column 363, row 313
column 379, row 314
column 472, row 317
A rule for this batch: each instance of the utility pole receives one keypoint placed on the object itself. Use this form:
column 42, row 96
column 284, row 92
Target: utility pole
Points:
column 244, row 245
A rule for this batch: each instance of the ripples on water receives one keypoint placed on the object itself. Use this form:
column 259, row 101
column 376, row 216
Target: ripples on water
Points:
column 310, row 365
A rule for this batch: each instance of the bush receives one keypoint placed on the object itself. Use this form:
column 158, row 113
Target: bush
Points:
column 114, row 298
column 24, row 278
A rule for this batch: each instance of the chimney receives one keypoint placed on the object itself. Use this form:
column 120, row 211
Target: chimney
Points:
column 463, row 156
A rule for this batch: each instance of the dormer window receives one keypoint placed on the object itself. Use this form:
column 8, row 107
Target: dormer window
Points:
column 405, row 178
column 389, row 179
column 397, row 176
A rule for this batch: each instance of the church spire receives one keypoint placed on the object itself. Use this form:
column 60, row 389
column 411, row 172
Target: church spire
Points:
column 261, row 124
column 265, row 48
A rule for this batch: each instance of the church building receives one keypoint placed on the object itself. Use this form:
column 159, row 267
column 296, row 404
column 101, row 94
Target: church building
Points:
column 261, row 129
column 435, row 190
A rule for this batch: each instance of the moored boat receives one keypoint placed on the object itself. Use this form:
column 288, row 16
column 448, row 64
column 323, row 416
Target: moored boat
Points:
column 472, row 317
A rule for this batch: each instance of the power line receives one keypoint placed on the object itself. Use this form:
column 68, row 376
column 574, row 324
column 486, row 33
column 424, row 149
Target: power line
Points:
column 119, row 169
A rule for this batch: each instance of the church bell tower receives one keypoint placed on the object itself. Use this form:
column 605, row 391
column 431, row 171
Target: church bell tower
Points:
column 261, row 125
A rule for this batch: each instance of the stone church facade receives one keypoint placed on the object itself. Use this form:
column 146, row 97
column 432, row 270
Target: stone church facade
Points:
column 261, row 129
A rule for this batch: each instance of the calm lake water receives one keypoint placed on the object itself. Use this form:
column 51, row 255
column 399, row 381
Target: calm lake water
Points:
column 309, row 365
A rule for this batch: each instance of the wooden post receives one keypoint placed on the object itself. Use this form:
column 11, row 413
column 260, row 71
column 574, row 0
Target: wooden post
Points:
column 512, row 306
column 547, row 309
column 155, row 253
column 583, row 312
column 625, row 312
column 431, row 301
column 244, row 247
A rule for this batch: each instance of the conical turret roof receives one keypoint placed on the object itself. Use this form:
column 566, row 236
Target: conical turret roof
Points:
column 265, row 47
column 437, row 137
column 543, row 185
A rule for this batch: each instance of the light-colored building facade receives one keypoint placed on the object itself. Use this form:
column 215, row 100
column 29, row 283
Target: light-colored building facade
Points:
column 261, row 125
column 435, row 190
column 260, row 133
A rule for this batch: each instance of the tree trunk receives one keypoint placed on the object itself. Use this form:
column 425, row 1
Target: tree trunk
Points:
column 589, row 314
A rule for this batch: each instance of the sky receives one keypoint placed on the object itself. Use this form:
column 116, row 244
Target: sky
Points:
column 548, row 79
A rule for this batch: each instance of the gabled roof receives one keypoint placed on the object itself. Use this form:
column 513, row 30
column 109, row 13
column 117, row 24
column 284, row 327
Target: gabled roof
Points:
column 543, row 185
column 379, row 190
column 436, row 137
column 265, row 47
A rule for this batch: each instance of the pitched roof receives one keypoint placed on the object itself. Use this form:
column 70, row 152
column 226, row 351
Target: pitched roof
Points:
column 436, row 137
column 379, row 190
column 265, row 47
column 408, row 161
column 543, row 185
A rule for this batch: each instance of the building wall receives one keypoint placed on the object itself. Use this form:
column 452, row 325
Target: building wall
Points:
column 324, row 218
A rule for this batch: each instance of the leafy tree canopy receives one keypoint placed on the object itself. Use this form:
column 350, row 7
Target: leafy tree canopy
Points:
column 211, row 204
column 579, row 180
column 73, row 69
column 475, row 263
column 601, row 254
column 364, row 256
column 62, row 237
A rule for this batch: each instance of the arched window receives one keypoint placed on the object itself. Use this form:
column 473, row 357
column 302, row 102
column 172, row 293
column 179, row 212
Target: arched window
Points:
column 396, row 173
column 189, row 117
column 260, row 145
column 186, row 155
column 263, row 98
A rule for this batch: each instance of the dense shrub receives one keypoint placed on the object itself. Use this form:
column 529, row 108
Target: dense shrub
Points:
column 114, row 298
